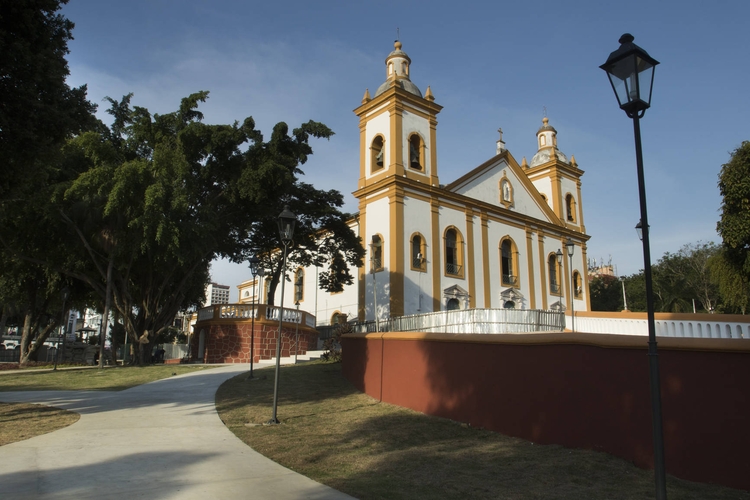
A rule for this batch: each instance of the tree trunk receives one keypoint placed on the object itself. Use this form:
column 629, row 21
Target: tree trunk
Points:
column 4, row 319
column 25, row 339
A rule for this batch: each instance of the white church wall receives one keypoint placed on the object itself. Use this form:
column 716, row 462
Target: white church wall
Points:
column 417, row 284
column 378, row 221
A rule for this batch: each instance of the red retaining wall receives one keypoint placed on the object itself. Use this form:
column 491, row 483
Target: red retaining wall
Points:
column 229, row 342
column 577, row 390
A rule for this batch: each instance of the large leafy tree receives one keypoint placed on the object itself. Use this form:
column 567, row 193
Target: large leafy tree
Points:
column 606, row 293
column 38, row 110
column 161, row 196
column 38, row 113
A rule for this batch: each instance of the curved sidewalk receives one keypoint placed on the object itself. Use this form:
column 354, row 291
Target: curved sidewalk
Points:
column 158, row 440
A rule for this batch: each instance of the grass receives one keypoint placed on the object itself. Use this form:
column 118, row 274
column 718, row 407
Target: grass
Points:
column 335, row 435
column 19, row 421
column 107, row 379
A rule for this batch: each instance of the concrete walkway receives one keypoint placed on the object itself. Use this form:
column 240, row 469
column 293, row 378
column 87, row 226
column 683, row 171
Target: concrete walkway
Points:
column 159, row 440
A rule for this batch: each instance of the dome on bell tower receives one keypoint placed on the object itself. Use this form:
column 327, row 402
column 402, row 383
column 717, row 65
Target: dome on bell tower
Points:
column 547, row 141
column 397, row 72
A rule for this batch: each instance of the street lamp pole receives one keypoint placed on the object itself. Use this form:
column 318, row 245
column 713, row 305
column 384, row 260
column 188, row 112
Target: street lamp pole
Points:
column 631, row 73
column 287, row 220
column 624, row 297
column 254, row 270
column 570, row 247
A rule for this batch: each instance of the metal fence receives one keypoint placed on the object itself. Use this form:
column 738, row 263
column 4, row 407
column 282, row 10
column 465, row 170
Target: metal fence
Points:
column 464, row 321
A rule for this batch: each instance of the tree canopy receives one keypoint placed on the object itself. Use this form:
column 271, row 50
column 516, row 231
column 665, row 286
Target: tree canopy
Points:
column 38, row 110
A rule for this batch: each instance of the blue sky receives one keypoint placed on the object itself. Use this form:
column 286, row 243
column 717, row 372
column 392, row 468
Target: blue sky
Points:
column 490, row 64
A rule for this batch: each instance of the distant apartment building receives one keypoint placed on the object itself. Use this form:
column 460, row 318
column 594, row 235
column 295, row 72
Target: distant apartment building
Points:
column 216, row 294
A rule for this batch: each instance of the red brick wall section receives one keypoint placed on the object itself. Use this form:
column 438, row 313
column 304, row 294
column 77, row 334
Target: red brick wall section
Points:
column 230, row 342
column 549, row 390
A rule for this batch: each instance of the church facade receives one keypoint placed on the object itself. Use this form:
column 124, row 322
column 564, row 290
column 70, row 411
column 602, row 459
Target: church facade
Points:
column 494, row 238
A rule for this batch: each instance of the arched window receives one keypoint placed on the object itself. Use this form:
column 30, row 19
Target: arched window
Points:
column 377, row 153
column 508, row 262
column 570, row 208
column 416, row 152
column 453, row 253
column 418, row 252
column 453, row 305
column 553, row 266
column 577, row 288
column 376, row 253
column 299, row 285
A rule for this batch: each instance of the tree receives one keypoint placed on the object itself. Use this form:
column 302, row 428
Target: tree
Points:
column 684, row 276
column 38, row 111
column 734, row 223
column 606, row 293
column 159, row 197
column 733, row 286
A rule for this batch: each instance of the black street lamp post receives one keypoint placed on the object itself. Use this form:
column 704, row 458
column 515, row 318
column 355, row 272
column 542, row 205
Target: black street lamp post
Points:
column 254, row 270
column 631, row 73
column 287, row 220
column 570, row 248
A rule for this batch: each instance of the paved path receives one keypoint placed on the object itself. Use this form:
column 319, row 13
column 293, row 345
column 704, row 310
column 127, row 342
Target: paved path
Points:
column 159, row 440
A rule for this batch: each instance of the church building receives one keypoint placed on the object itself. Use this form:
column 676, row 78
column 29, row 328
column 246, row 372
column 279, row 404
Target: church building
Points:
column 494, row 238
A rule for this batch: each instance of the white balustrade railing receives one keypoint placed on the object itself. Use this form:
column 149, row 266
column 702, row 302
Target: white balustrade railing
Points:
column 244, row 312
column 667, row 325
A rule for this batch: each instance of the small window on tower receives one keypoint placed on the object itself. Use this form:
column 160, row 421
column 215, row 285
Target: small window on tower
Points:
column 570, row 208
column 416, row 152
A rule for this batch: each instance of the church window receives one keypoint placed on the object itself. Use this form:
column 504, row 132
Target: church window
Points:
column 509, row 262
column 577, row 289
column 416, row 152
column 453, row 253
column 570, row 208
column 390, row 69
column 453, row 305
column 377, row 152
column 542, row 140
column 376, row 254
column 299, row 285
column 553, row 266
column 418, row 252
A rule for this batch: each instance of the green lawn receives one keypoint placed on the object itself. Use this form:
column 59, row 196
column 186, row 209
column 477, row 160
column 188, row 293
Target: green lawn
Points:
column 332, row 433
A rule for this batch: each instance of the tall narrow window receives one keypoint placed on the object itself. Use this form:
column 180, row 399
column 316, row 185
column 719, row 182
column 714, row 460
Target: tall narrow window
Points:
column 418, row 250
column 570, row 207
column 453, row 256
column 554, row 285
column 299, row 285
column 376, row 253
column 508, row 262
column 416, row 152
column 377, row 151
column 577, row 289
